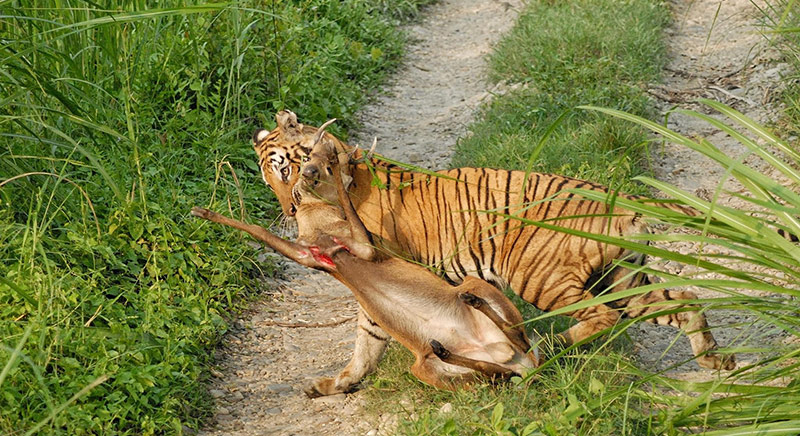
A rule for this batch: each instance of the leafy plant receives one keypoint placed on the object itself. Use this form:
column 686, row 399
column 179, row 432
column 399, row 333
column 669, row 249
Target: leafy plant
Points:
column 760, row 396
column 116, row 118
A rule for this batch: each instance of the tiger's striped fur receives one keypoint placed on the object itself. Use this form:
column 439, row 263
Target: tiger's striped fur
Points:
column 437, row 221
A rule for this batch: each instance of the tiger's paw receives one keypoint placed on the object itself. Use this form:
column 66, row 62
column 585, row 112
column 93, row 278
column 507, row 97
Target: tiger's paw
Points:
column 717, row 361
column 324, row 386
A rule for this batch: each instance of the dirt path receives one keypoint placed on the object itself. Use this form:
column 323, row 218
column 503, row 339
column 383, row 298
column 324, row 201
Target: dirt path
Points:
column 724, row 59
column 263, row 366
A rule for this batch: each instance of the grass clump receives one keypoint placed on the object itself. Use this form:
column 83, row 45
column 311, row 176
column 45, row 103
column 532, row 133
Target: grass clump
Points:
column 116, row 119
column 559, row 55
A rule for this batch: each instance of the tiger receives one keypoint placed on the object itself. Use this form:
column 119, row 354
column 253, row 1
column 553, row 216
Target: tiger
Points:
column 436, row 220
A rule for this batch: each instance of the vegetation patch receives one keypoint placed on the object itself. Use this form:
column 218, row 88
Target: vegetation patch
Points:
column 116, row 118
column 560, row 55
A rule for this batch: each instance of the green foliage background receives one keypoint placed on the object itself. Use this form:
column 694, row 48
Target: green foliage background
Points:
column 560, row 55
column 116, row 118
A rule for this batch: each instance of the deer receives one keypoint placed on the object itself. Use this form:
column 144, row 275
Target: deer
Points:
column 457, row 334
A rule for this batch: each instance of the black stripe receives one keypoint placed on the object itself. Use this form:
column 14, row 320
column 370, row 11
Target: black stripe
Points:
column 530, row 187
column 373, row 334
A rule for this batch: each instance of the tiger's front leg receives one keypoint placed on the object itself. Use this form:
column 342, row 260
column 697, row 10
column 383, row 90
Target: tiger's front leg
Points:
column 370, row 344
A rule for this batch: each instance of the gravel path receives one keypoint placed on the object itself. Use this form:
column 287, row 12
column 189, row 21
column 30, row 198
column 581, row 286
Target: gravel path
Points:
column 305, row 327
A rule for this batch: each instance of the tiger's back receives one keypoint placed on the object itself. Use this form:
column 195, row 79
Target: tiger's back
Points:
column 459, row 222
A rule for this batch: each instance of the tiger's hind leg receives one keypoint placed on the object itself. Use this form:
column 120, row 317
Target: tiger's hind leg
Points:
column 591, row 320
column 691, row 321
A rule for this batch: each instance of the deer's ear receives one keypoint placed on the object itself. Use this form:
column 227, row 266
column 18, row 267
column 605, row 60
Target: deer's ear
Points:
column 287, row 122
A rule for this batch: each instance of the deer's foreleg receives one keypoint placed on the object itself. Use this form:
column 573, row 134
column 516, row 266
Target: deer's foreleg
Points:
column 361, row 237
column 292, row 250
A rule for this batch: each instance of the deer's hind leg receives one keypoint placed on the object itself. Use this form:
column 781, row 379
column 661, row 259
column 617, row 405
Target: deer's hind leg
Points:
column 691, row 321
column 515, row 334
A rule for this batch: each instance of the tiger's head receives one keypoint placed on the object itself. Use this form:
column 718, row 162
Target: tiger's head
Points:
column 282, row 151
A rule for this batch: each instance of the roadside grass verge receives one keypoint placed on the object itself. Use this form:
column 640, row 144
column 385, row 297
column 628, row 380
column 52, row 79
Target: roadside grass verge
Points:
column 557, row 56
column 115, row 119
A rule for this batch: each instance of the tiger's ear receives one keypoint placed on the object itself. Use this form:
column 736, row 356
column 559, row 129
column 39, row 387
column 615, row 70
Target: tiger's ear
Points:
column 287, row 122
column 259, row 136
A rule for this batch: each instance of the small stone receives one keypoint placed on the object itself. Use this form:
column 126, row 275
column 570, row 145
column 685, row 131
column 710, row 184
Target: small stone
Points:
column 217, row 393
column 236, row 396
column 223, row 411
column 372, row 432
column 331, row 399
column 216, row 373
column 414, row 157
column 273, row 411
column 446, row 408
column 279, row 387
column 225, row 418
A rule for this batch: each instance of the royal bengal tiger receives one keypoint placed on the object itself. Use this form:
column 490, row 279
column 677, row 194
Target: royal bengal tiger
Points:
column 437, row 221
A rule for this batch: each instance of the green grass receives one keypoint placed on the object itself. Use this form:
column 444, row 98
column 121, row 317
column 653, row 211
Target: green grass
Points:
column 559, row 55
column 760, row 397
column 116, row 118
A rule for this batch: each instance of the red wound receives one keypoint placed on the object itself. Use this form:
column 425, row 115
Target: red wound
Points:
column 324, row 259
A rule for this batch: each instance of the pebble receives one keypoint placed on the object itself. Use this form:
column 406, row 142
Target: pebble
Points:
column 236, row 396
column 273, row 411
column 225, row 418
column 223, row 411
column 372, row 432
column 279, row 387
column 331, row 399
column 217, row 393
column 446, row 408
